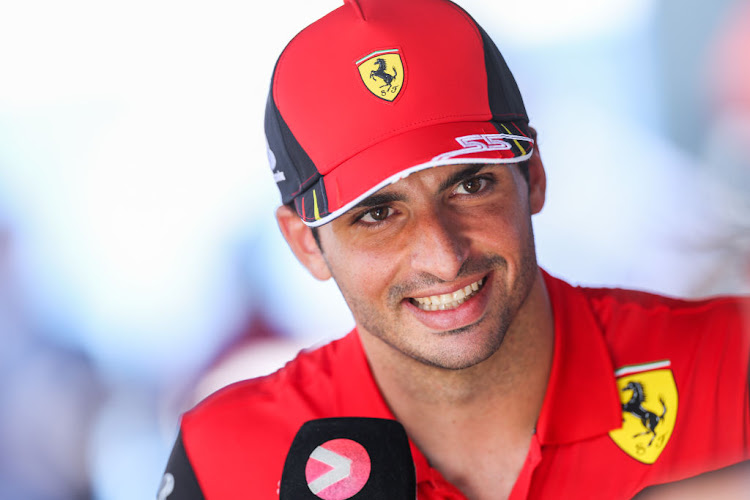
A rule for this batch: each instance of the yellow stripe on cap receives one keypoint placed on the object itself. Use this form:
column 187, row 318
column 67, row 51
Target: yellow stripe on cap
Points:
column 523, row 151
column 315, row 205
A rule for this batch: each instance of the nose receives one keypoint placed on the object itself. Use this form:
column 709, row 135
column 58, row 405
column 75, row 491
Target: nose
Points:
column 438, row 246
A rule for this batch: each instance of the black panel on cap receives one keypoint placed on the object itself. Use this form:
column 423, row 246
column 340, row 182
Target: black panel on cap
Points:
column 291, row 160
column 305, row 202
column 518, row 127
column 505, row 98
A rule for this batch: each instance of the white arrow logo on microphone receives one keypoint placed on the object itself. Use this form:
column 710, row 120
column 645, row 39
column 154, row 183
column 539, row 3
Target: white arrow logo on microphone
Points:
column 341, row 469
column 338, row 469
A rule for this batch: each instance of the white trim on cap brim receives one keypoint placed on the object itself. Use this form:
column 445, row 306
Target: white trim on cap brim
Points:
column 407, row 172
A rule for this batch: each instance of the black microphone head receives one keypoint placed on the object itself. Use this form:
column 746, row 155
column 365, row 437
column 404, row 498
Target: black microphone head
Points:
column 349, row 457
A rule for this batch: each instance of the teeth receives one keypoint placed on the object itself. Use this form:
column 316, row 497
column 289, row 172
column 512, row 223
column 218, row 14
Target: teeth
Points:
column 448, row 300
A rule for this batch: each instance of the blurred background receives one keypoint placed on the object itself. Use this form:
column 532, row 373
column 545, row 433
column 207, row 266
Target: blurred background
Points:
column 140, row 264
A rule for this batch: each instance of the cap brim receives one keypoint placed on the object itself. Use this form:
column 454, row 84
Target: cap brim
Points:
column 397, row 157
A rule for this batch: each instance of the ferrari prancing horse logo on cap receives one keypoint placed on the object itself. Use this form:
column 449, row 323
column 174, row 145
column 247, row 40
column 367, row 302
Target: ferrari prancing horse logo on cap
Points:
column 648, row 396
column 382, row 72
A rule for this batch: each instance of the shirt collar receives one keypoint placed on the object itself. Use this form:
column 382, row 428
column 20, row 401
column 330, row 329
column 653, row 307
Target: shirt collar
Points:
column 581, row 400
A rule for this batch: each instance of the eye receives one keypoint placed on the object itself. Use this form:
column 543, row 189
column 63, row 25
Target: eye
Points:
column 471, row 186
column 375, row 215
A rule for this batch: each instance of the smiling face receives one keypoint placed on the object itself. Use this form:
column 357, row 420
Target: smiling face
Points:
column 437, row 265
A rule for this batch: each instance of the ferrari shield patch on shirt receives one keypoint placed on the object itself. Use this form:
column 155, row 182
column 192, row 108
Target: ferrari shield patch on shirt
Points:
column 649, row 409
column 382, row 73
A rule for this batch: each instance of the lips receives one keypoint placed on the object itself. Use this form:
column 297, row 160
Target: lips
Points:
column 451, row 312
column 448, row 301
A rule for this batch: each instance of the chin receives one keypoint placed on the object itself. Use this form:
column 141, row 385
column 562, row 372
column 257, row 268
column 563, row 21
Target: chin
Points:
column 464, row 348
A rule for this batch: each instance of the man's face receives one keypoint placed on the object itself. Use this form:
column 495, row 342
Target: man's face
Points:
column 438, row 264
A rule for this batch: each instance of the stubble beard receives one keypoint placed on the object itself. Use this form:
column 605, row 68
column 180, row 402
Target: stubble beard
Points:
column 499, row 321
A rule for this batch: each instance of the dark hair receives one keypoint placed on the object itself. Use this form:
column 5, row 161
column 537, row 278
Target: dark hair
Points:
column 316, row 235
column 524, row 168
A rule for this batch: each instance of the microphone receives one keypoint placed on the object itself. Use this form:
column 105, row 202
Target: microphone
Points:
column 349, row 457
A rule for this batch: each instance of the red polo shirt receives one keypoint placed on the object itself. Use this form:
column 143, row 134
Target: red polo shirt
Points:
column 643, row 390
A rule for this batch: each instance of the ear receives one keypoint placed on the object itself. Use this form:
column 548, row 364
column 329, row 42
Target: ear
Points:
column 300, row 239
column 537, row 179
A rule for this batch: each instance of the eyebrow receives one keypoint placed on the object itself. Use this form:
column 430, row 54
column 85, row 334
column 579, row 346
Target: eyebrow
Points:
column 462, row 175
column 379, row 199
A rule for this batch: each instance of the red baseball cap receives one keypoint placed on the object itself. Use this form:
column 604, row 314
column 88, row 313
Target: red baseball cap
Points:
column 379, row 89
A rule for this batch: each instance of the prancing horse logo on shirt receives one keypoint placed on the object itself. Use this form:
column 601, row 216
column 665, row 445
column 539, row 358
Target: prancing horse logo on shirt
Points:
column 648, row 395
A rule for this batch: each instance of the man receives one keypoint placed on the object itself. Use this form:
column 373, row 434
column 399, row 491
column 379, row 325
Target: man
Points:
column 409, row 173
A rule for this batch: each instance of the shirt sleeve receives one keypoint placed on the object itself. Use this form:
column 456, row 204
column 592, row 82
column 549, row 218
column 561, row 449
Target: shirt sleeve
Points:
column 179, row 481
